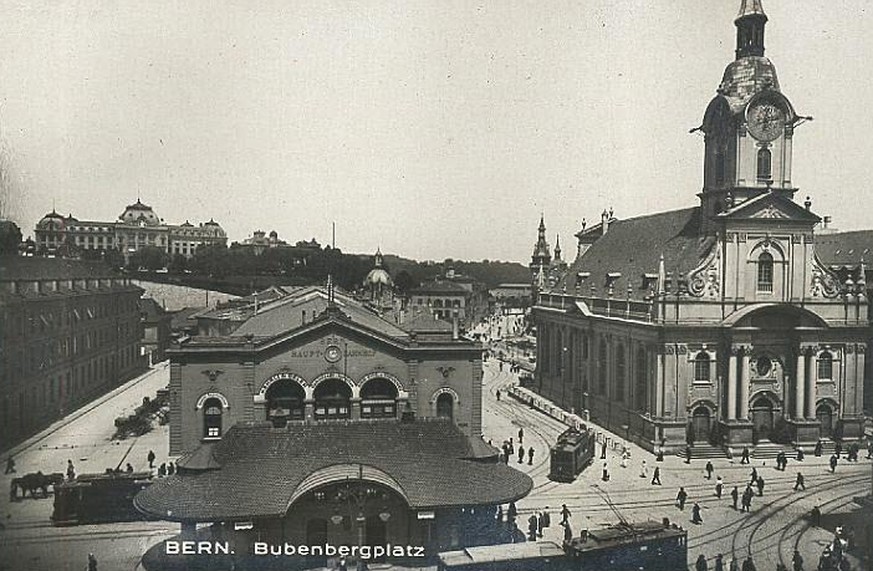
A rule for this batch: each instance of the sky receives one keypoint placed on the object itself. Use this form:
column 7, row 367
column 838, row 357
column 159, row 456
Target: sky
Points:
column 431, row 129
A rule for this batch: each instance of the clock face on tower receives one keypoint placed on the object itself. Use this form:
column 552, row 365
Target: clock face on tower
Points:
column 766, row 121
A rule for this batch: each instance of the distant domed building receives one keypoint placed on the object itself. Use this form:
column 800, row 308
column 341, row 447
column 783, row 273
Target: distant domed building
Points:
column 379, row 284
column 137, row 227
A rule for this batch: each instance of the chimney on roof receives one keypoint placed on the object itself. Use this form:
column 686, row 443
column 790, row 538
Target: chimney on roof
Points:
column 604, row 222
column 808, row 203
column 455, row 333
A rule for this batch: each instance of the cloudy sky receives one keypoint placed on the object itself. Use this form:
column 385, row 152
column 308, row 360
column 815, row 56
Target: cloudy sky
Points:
column 430, row 128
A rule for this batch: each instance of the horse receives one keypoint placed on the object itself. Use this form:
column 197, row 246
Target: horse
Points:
column 33, row 482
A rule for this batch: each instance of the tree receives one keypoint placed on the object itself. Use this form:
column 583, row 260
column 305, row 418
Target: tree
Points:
column 10, row 238
column 151, row 258
column 405, row 282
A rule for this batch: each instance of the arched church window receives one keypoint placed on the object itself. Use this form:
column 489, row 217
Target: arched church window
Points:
column 825, row 366
column 765, row 272
column 601, row 368
column 641, row 393
column 719, row 167
column 619, row 373
column 765, row 165
column 212, row 412
column 702, row 366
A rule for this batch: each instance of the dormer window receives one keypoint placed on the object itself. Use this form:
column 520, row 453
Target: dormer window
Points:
column 765, row 165
column 765, row 273
column 650, row 281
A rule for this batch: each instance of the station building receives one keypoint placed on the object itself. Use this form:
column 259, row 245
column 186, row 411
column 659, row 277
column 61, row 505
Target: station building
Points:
column 717, row 324
column 317, row 420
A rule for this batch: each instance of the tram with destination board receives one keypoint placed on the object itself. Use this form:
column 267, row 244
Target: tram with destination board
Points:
column 573, row 452
column 99, row 498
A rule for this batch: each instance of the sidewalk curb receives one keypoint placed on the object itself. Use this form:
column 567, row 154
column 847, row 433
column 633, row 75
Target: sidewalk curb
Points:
column 81, row 411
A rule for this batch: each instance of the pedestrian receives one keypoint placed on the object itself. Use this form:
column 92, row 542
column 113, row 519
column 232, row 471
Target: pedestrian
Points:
column 539, row 524
column 532, row 528
column 815, row 516
column 71, row 471
column 500, row 514
column 568, row 533
column 625, row 456
column 833, row 463
column 162, row 469
column 800, row 454
column 171, row 469
column 735, row 494
column 520, row 454
column 719, row 486
column 644, row 470
column 565, row 514
column 745, row 458
column 92, row 562
column 798, row 483
column 547, row 518
column 530, row 455
column 709, row 469
column 151, row 459
column 520, row 436
column 10, row 465
column 818, row 449
column 660, row 456
column 760, row 484
column 511, row 447
column 797, row 561
column 749, row 565
column 688, row 455
column 719, row 562
column 605, row 476
column 603, row 450
column 701, row 564
column 754, row 475
column 498, row 395
column 695, row 514
column 511, row 512
column 870, row 450
column 681, row 497
column 656, row 476
column 129, row 468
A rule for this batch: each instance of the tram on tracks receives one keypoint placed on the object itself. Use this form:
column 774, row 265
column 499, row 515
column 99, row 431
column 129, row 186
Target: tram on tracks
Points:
column 573, row 452
column 99, row 498
column 646, row 546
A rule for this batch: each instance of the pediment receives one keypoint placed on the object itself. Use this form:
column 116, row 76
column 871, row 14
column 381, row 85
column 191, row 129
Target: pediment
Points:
column 770, row 206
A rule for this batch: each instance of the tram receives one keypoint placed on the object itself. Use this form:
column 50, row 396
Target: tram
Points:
column 572, row 453
column 646, row 546
column 99, row 498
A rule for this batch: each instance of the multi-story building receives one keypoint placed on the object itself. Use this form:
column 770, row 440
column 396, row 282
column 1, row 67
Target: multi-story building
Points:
column 137, row 227
column 69, row 332
column 716, row 323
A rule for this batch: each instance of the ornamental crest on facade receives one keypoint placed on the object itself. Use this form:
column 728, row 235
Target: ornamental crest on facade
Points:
column 704, row 280
column 824, row 283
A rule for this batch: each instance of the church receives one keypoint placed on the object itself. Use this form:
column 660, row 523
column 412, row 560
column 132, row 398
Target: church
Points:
column 715, row 325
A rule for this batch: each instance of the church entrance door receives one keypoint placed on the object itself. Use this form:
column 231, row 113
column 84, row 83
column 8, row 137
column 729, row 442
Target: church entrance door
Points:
column 825, row 417
column 701, row 424
column 763, row 418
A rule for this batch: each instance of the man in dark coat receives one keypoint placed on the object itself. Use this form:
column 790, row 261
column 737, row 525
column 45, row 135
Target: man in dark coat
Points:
column 760, row 484
column 709, row 469
column 695, row 514
column 530, row 455
column 151, row 459
column 681, row 498
column 735, row 495
column 745, row 458
column 799, row 482
column 833, row 463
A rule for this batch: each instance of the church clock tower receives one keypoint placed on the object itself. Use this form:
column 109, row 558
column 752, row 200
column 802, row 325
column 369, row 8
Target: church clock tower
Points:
column 748, row 126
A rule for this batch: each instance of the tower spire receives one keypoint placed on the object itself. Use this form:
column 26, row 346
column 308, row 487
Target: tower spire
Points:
column 750, row 23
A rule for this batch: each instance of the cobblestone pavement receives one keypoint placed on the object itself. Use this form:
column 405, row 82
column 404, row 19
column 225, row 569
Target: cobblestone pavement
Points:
column 769, row 533
column 28, row 541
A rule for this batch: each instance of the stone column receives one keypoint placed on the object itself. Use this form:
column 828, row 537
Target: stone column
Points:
column 744, row 385
column 732, row 387
column 801, row 384
column 810, row 388
column 659, row 383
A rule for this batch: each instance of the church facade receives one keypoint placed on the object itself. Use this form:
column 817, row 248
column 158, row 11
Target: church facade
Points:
column 716, row 324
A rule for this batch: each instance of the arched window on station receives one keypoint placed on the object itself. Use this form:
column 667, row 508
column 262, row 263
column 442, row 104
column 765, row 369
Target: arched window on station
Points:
column 765, row 165
column 702, row 368
column 765, row 273
column 825, row 366
column 379, row 399
column 212, row 413
column 332, row 400
column 285, row 401
column 445, row 405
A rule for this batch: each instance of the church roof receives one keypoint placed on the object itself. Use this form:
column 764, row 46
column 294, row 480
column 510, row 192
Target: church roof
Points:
column 262, row 470
column 845, row 248
column 633, row 247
